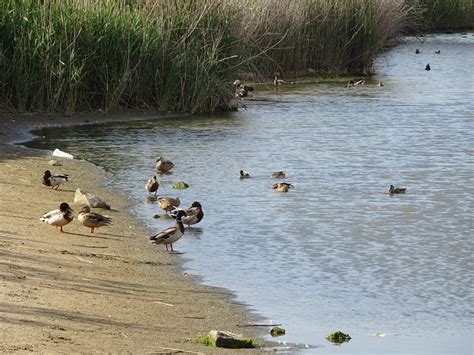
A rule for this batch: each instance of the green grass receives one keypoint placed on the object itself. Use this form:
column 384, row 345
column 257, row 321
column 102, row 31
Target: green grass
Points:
column 179, row 55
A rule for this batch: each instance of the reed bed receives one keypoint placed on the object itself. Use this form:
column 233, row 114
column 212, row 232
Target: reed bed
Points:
column 439, row 15
column 178, row 55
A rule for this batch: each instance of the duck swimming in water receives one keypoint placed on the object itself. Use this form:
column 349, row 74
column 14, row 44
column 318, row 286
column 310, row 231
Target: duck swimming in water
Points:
column 396, row 190
column 163, row 165
column 282, row 186
column 172, row 234
column 278, row 175
column 54, row 181
column 60, row 217
column 244, row 174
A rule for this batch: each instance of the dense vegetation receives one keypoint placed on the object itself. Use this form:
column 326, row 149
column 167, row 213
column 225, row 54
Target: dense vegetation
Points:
column 440, row 15
column 179, row 55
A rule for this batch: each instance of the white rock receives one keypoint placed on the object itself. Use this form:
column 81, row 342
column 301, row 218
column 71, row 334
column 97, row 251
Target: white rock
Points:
column 61, row 154
column 89, row 199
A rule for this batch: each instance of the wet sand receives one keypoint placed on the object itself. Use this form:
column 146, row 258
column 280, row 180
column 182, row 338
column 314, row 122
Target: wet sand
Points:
column 111, row 291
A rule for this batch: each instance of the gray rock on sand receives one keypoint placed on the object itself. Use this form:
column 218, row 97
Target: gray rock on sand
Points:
column 224, row 339
column 85, row 198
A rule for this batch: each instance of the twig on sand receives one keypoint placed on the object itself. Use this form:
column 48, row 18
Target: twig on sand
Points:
column 258, row 325
column 84, row 260
column 164, row 303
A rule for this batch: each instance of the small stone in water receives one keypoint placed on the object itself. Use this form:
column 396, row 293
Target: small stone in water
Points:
column 338, row 337
column 277, row 331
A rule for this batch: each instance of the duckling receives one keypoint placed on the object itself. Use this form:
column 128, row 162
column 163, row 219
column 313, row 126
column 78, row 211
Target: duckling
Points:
column 397, row 190
column 152, row 185
column 277, row 81
column 93, row 220
column 163, row 165
column 278, row 175
column 54, row 181
column 59, row 217
column 193, row 215
column 428, row 67
column 168, row 203
column 282, row 186
column 244, row 174
column 170, row 235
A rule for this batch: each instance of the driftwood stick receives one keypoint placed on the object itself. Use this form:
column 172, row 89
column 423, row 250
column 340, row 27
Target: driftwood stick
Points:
column 259, row 325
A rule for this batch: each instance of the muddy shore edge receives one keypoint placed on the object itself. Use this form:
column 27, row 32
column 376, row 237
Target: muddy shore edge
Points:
column 107, row 292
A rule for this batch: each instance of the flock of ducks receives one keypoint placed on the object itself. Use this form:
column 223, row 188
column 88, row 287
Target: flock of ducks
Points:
column 189, row 216
column 65, row 214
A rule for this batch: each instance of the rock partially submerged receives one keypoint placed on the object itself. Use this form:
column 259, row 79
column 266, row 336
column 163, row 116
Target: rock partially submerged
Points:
column 180, row 185
column 224, row 339
column 338, row 337
column 89, row 199
column 277, row 331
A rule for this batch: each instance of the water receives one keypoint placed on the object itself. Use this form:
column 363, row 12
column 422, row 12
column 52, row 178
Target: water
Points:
column 336, row 252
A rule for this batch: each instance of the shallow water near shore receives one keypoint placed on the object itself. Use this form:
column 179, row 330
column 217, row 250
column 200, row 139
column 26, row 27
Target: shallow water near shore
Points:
column 337, row 252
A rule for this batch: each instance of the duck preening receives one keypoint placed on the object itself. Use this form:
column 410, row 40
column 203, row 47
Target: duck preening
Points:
column 172, row 234
column 152, row 185
column 163, row 165
column 397, row 190
column 168, row 204
column 59, row 217
column 54, row 181
column 278, row 175
column 93, row 220
column 282, row 186
column 192, row 215
column 244, row 174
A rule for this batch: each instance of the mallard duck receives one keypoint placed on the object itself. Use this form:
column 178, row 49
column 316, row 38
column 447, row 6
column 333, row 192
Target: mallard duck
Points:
column 242, row 90
column 54, row 181
column 282, row 186
column 170, row 235
column 278, row 175
column 417, row 51
column 152, row 185
column 277, row 81
column 397, row 190
column 163, row 165
column 193, row 215
column 428, row 67
column 355, row 82
column 438, row 52
column 93, row 220
column 59, row 217
column 380, row 84
column 244, row 174
column 168, row 203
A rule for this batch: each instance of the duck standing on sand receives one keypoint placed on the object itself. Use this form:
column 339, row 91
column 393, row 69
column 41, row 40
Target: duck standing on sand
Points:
column 170, row 235
column 244, row 174
column 282, row 186
column 93, row 220
column 54, row 181
column 152, row 185
column 168, row 204
column 192, row 215
column 397, row 190
column 59, row 217
column 163, row 165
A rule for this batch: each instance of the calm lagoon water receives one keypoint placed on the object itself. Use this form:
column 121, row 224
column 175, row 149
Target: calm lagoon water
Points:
column 336, row 252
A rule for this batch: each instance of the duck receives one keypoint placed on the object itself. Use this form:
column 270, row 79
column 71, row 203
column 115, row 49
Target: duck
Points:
column 244, row 174
column 172, row 234
column 152, row 185
column 168, row 204
column 396, row 190
column 282, row 186
column 164, row 165
column 355, row 82
column 93, row 220
column 60, row 217
column 438, row 51
column 380, row 84
column 54, row 181
column 278, row 175
column 193, row 215
column 417, row 51
column 242, row 90
column 428, row 67
column 277, row 81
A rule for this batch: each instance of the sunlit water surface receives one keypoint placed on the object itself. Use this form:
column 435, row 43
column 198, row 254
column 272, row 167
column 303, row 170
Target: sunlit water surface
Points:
column 336, row 252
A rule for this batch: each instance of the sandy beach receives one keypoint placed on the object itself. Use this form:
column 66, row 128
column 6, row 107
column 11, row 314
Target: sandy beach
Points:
column 107, row 292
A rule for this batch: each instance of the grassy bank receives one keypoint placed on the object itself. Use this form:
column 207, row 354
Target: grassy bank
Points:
column 178, row 55
column 439, row 15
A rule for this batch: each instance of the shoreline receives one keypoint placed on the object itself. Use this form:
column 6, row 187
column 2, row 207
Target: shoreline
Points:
column 108, row 292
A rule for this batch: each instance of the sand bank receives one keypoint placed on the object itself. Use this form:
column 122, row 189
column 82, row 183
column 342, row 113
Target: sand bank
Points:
column 107, row 292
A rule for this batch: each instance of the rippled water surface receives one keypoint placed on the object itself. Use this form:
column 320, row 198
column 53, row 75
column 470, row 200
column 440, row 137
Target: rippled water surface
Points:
column 336, row 252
